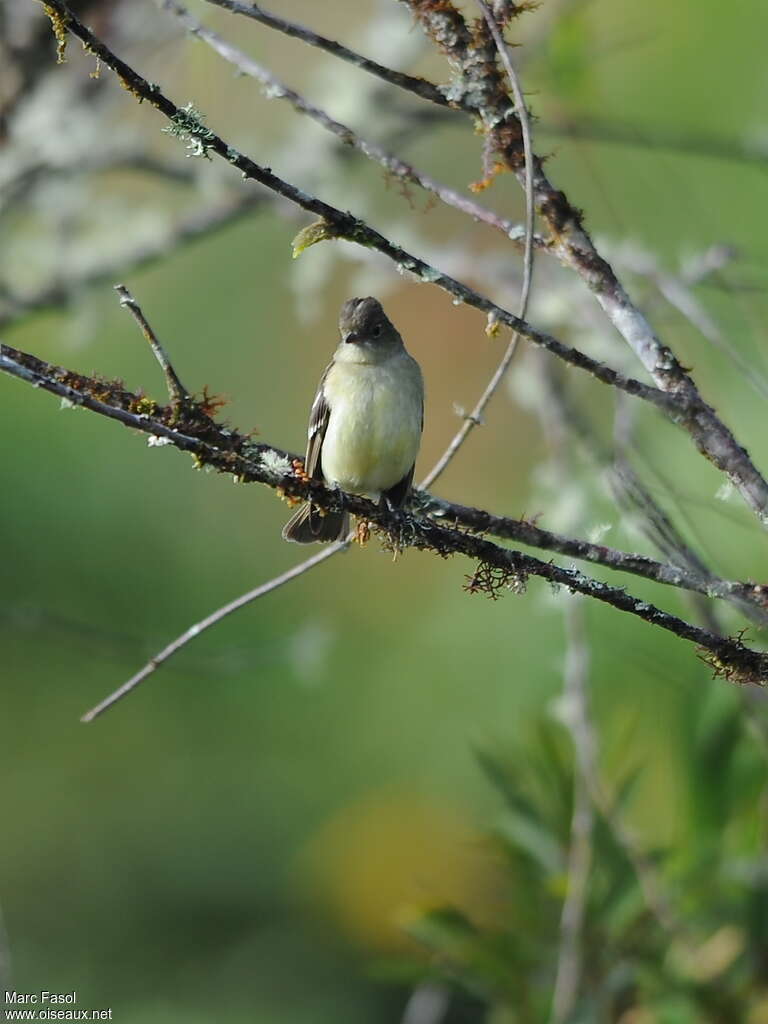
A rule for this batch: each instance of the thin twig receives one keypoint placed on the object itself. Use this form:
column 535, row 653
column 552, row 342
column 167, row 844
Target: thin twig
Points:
column 418, row 86
column 276, row 89
column 176, row 389
column 181, row 641
column 179, row 394
column 576, row 701
column 677, row 290
column 632, row 495
column 476, row 416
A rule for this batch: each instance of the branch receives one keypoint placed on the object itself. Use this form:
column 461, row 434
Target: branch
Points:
column 176, row 390
column 418, row 86
column 631, row 494
column 476, row 416
column 274, row 88
column 575, row 681
column 525, row 532
column 229, row 451
column 155, row 662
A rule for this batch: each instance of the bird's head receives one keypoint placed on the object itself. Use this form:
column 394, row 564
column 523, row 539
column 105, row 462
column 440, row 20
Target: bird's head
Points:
column 364, row 322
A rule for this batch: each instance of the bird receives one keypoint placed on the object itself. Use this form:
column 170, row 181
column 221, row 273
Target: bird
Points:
column 366, row 421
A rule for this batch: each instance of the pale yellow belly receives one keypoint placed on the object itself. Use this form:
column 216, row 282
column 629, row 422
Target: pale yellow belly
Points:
column 373, row 432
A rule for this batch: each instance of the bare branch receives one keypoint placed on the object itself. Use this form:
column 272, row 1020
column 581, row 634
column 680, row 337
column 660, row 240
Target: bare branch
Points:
column 475, row 417
column 417, row 86
column 575, row 699
column 276, row 89
column 159, row 659
column 176, row 390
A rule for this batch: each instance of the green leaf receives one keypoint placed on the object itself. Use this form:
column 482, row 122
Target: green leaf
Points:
column 528, row 835
column 318, row 231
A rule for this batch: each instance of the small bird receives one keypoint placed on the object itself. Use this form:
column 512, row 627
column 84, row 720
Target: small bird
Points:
column 366, row 421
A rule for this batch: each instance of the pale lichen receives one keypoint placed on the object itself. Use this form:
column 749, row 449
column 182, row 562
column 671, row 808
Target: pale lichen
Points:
column 275, row 463
column 187, row 125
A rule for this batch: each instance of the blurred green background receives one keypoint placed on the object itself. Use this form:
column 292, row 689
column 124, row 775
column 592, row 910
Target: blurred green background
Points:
column 247, row 836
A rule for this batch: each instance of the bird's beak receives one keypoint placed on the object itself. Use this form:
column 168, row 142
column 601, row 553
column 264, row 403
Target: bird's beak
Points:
column 352, row 336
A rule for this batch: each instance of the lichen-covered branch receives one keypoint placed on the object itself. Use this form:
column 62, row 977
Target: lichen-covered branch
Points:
column 190, row 427
column 525, row 532
column 234, row 453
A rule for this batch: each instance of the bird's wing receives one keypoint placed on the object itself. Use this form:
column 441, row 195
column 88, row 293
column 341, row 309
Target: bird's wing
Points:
column 318, row 424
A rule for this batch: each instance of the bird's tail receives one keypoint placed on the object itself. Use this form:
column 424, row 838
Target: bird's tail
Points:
column 306, row 526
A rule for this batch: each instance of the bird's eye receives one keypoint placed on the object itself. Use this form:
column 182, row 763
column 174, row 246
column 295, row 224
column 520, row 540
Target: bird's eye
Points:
column 376, row 332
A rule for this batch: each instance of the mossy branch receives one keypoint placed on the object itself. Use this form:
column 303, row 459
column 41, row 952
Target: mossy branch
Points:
column 190, row 426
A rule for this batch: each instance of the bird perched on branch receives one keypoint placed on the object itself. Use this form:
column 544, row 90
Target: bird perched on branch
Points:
column 366, row 421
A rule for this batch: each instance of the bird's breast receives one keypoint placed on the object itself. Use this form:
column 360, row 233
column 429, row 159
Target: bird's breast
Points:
column 374, row 428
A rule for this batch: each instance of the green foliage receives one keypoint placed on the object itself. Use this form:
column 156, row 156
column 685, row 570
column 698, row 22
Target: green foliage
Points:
column 704, row 960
